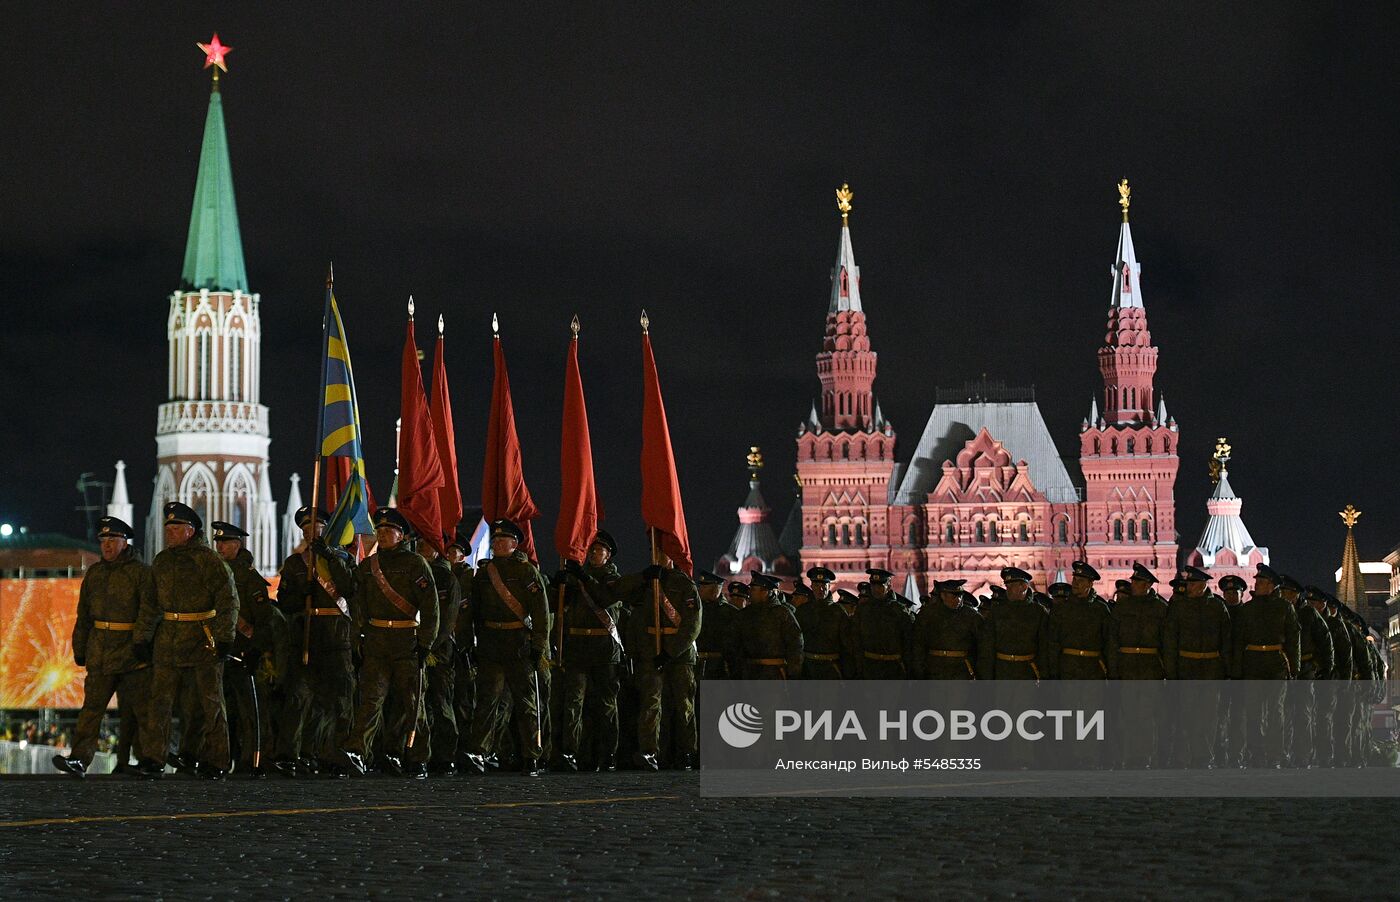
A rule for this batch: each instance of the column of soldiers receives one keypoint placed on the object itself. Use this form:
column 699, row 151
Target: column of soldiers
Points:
column 415, row 663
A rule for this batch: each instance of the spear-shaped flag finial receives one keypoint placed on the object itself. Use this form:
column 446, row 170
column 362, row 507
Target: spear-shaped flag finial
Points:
column 646, row 323
column 330, row 274
column 410, row 306
column 495, row 326
column 574, row 326
column 441, row 323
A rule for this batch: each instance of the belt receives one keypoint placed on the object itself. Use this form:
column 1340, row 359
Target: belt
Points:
column 201, row 615
column 665, row 630
column 1021, row 658
column 946, row 653
column 503, row 624
column 326, row 612
column 1199, row 655
column 1137, row 650
column 586, row 631
column 817, row 656
column 711, row 655
column 114, row 626
column 1307, row 657
column 769, row 662
column 875, row 656
column 393, row 624
column 1079, row 652
column 1263, row 648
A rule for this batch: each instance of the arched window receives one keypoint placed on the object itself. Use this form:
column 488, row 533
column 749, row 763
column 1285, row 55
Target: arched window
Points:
column 981, row 531
column 1131, row 445
column 913, row 532
column 950, row 532
column 235, row 367
column 860, row 533
column 1062, row 531
column 845, row 452
column 1098, row 448
column 202, row 361
column 1132, row 530
column 1166, row 445
column 1146, row 530
column 1117, row 530
column 993, row 534
column 1022, row 533
column 845, row 533
column 1125, row 397
column 1113, row 446
column 1148, row 445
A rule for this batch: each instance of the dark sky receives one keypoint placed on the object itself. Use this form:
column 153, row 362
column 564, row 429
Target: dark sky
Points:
column 682, row 157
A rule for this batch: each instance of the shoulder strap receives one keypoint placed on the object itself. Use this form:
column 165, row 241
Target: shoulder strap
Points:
column 395, row 598
column 603, row 616
column 505, row 594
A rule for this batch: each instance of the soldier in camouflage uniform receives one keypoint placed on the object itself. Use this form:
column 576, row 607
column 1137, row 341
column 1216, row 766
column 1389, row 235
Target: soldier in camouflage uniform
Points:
column 1016, row 635
column 112, row 594
column 827, row 643
column 1135, row 654
column 669, row 677
column 767, row 637
column 439, row 715
column 1079, row 630
column 882, row 633
column 1314, row 666
column 715, row 646
column 1264, row 639
column 1196, row 646
column 946, row 635
column 396, row 610
column 512, row 620
column 590, row 654
column 464, row 640
column 318, row 689
column 259, row 639
column 185, row 628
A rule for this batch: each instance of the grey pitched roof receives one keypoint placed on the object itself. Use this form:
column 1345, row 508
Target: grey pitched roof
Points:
column 1018, row 425
column 790, row 539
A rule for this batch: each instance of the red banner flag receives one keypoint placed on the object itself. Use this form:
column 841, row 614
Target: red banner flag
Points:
column 420, row 470
column 440, row 409
column 336, row 477
column 661, row 488
column 578, row 494
column 503, row 490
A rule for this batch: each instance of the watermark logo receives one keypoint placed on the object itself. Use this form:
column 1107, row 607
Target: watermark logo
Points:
column 740, row 725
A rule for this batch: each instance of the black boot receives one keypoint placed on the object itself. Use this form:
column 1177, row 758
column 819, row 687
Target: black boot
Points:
column 568, row 762
column 610, row 762
column 151, row 770
column 209, row 772
column 685, row 762
column 648, row 762
column 287, row 767
column 416, row 771
column 356, row 762
column 391, row 764
column 69, row 766
column 473, row 762
column 531, row 767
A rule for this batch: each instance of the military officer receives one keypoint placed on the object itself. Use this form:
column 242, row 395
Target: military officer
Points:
column 848, row 601
column 1135, row 654
column 1358, row 690
column 666, row 677
column 715, row 649
column 395, row 610
column 1232, row 707
column 185, row 629
column 1196, row 646
column 1314, row 664
column 1059, row 592
column 259, row 646
column 1335, row 710
column 590, row 651
column 512, row 619
column 111, row 596
column 1078, row 630
column 1265, row 652
column 826, row 631
column 946, row 635
column 439, row 708
column 738, row 593
column 883, row 632
column 464, row 640
column 768, row 637
column 1016, row 633
column 313, row 592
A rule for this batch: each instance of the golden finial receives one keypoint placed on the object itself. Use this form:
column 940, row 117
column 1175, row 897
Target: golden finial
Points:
column 797, row 481
column 755, row 459
column 441, row 323
column 1219, row 459
column 646, row 323
column 410, row 306
column 1125, row 195
column 495, row 326
column 574, row 326
column 844, row 196
column 1349, row 516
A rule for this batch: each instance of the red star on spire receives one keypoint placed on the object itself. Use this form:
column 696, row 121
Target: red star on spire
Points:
column 214, row 52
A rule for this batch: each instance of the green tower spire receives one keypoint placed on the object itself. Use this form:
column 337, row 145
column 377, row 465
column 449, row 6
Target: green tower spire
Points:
column 214, row 252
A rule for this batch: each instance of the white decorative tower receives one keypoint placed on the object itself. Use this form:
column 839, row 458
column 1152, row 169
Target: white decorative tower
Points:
column 120, row 505
column 291, row 533
column 211, row 434
column 1225, row 547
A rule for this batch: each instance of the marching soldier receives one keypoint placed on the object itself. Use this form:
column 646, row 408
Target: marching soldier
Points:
column 259, row 639
column 738, row 594
column 1078, row 630
column 665, row 679
column 848, row 601
column 112, row 594
column 439, row 715
column 590, row 651
column 510, row 606
column 185, row 629
column 1358, row 690
column 1335, row 752
column 1196, row 646
column 718, row 622
column 1059, row 593
column 1135, row 654
column 396, row 611
column 464, row 640
column 1016, row 633
column 769, row 639
column 1316, row 659
column 826, row 638
column 883, row 632
column 319, row 686
column 1232, row 706
column 946, row 635
column 1265, row 652
column 1314, row 664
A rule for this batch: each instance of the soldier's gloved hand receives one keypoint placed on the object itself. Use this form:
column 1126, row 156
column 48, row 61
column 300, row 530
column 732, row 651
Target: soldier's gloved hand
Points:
column 224, row 650
column 80, row 660
column 652, row 572
column 319, row 546
column 559, row 578
column 422, row 654
column 574, row 567
column 141, row 651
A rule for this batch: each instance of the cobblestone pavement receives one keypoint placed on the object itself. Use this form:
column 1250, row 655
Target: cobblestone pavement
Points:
column 641, row 836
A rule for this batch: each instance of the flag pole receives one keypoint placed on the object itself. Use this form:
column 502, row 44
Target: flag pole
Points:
column 316, row 466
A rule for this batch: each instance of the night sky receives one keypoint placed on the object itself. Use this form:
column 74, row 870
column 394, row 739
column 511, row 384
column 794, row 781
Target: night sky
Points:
column 683, row 157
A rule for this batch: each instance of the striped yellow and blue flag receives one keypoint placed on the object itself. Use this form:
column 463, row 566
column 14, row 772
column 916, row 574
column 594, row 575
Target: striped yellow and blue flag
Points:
column 340, row 432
